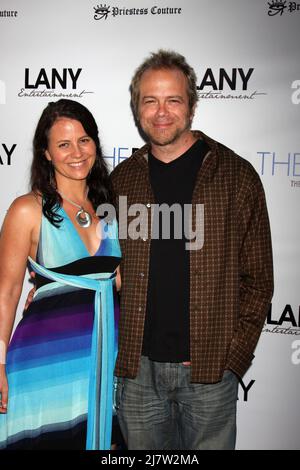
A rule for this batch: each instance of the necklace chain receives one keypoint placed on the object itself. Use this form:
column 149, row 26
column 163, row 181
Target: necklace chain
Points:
column 82, row 217
column 72, row 202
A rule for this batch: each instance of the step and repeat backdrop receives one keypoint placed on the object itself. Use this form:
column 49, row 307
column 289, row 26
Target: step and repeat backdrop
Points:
column 247, row 60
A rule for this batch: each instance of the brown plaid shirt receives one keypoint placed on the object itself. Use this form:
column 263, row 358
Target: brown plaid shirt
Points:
column 231, row 277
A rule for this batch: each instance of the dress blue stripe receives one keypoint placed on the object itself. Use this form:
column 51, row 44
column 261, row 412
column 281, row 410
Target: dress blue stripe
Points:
column 42, row 377
column 47, row 351
column 59, row 358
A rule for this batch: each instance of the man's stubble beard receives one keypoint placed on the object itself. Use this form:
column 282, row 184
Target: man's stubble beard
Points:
column 168, row 140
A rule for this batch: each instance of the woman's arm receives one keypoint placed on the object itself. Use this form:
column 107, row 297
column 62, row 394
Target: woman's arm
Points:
column 18, row 240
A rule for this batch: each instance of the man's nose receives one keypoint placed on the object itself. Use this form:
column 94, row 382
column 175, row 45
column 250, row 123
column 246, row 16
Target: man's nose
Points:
column 162, row 109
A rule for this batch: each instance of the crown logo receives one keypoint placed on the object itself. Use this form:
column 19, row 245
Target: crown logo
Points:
column 101, row 11
column 276, row 7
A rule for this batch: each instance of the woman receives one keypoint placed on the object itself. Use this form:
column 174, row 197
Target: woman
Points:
column 56, row 381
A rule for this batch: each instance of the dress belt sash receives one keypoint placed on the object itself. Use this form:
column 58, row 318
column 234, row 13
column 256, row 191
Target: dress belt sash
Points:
column 100, row 400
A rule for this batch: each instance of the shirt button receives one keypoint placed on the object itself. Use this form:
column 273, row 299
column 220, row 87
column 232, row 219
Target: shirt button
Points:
column 144, row 239
column 148, row 204
column 140, row 309
column 142, row 274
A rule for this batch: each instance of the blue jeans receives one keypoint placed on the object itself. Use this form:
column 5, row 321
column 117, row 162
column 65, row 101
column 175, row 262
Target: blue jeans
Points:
column 161, row 410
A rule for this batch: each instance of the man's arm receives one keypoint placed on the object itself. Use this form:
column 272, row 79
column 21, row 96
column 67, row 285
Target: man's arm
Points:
column 256, row 274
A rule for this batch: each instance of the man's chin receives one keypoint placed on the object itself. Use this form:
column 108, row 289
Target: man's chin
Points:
column 162, row 143
column 163, row 139
column 166, row 138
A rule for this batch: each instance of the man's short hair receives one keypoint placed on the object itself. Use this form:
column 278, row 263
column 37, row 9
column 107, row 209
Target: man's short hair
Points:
column 163, row 59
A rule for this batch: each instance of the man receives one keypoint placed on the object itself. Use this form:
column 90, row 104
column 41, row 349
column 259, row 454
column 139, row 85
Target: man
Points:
column 190, row 318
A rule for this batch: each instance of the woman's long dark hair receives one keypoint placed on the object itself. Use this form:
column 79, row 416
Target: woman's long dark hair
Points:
column 42, row 171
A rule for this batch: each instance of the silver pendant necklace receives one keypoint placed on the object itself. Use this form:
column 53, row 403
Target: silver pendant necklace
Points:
column 82, row 217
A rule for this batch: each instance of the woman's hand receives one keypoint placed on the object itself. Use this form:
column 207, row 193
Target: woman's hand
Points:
column 3, row 390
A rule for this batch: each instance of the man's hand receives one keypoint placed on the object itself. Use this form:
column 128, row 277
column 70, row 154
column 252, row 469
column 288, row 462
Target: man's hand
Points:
column 31, row 292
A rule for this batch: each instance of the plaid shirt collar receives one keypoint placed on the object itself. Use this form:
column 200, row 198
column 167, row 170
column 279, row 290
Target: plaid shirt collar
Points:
column 210, row 161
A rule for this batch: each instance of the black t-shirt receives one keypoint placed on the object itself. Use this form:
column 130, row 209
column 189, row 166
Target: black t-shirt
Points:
column 166, row 332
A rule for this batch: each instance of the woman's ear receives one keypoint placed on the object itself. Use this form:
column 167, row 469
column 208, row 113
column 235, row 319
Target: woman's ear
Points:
column 47, row 155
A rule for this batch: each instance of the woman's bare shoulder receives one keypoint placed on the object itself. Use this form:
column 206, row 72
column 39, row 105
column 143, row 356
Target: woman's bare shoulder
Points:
column 27, row 206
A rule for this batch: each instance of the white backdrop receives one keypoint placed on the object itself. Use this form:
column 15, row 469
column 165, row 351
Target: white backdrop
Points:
column 90, row 50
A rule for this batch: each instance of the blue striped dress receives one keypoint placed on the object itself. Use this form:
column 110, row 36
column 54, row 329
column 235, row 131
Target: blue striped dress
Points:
column 61, row 357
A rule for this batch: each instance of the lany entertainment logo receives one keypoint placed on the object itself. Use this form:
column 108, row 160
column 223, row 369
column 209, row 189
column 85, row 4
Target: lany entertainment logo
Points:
column 224, row 84
column 52, row 83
